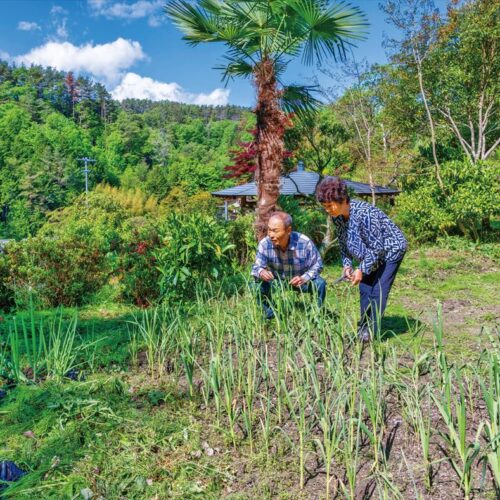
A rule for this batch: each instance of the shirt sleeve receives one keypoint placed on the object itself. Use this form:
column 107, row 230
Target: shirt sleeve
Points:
column 374, row 243
column 315, row 263
column 341, row 230
column 260, row 260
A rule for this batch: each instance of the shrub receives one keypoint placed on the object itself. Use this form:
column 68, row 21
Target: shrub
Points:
column 471, row 198
column 194, row 248
column 71, row 257
column 62, row 271
column 308, row 217
column 242, row 237
column 134, row 201
column 138, row 272
column 97, row 221
column 180, row 202
column 6, row 293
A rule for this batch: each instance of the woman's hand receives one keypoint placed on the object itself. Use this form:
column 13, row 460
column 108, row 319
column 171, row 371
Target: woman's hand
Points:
column 356, row 277
column 347, row 272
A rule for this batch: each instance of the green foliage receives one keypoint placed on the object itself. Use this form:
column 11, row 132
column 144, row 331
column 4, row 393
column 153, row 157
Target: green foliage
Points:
column 154, row 146
column 180, row 202
column 138, row 275
column 195, row 248
column 462, row 74
column 70, row 257
column 58, row 271
column 318, row 141
column 471, row 197
column 308, row 218
column 6, row 294
column 242, row 236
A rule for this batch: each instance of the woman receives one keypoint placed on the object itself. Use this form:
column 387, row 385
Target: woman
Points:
column 366, row 234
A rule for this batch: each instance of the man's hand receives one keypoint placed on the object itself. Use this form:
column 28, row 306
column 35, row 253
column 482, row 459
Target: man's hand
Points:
column 297, row 281
column 347, row 272
column 356, row 277
column 266, row 275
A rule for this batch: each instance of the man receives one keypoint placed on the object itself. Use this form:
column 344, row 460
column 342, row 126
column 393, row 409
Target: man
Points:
column 287, row 256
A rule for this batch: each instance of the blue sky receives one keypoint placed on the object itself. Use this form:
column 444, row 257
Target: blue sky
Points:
column 131, row 47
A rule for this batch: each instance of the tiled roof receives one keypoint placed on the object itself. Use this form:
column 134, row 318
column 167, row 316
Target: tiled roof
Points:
column 302, row 183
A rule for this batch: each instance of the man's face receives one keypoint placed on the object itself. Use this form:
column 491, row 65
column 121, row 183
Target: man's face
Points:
column 278, row 233
column 334, row 208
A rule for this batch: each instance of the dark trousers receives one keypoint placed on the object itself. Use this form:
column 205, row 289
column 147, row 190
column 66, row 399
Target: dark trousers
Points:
column 373, row 293
column 265, row 290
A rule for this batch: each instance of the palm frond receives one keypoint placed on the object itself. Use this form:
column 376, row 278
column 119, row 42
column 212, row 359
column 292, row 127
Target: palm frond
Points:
column 257, row 30
column 235, row 67
column 197, row 24
column 327, row 30
column 300, row 100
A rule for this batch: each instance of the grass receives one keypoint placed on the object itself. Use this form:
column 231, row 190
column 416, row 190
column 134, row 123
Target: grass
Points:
column 209, row 400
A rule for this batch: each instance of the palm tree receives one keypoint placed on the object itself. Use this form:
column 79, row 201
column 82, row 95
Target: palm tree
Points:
column 262, row 37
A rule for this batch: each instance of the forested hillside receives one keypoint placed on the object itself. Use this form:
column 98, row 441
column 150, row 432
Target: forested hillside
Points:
column 50, row 119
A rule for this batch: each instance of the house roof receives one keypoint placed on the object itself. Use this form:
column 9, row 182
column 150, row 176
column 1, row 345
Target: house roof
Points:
column 302, row 183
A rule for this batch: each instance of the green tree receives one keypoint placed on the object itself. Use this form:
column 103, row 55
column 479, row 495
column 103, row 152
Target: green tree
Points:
column 318, row 140
column 418, row 21
column 261, row 38
column 462, row 72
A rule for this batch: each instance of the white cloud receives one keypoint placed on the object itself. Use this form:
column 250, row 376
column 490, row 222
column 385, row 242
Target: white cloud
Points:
column 58, row 21
column 61, row 31
column 27, row 26
column 127, row 11
column 155, row 21
column 135, row 86
column 106, row 61
column 57, row 9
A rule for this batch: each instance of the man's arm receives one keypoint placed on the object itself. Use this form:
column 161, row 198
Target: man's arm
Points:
column 261, row 260
column 315, row 263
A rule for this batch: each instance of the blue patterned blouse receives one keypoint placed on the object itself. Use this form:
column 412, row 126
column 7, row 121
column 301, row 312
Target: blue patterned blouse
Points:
column 369, row 236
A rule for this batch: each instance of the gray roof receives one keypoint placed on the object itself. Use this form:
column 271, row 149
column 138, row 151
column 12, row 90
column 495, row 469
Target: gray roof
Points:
column 302, row 183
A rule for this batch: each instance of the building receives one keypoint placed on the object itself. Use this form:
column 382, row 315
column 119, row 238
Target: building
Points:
column 298, row 183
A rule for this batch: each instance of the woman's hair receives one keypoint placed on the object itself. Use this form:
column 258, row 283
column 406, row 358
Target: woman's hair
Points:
column 332, row 189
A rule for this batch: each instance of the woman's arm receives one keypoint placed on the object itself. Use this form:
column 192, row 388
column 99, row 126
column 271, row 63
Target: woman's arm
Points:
column 371, row 227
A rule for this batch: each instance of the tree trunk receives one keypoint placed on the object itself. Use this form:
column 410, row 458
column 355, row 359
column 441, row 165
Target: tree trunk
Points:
column 329, row 239
column 271, row 123
column 372, row 184
column 430, row 119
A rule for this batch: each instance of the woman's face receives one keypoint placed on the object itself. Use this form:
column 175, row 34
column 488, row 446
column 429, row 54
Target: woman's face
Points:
column 335, row 208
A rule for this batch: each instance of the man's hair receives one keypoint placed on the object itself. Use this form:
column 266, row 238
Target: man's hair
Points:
column 332, row 189
column 284, row 217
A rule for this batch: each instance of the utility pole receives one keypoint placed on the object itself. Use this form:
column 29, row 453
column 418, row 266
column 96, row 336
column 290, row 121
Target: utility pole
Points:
column 86, row 172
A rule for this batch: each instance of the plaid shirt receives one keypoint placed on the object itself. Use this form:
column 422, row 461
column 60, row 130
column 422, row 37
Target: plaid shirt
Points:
column 301, row 258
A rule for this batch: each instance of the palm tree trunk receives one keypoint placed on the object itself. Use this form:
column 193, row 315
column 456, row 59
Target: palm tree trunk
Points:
column 271, row 123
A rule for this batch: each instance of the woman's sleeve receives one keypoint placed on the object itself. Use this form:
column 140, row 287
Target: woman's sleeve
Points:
column 374, row 243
